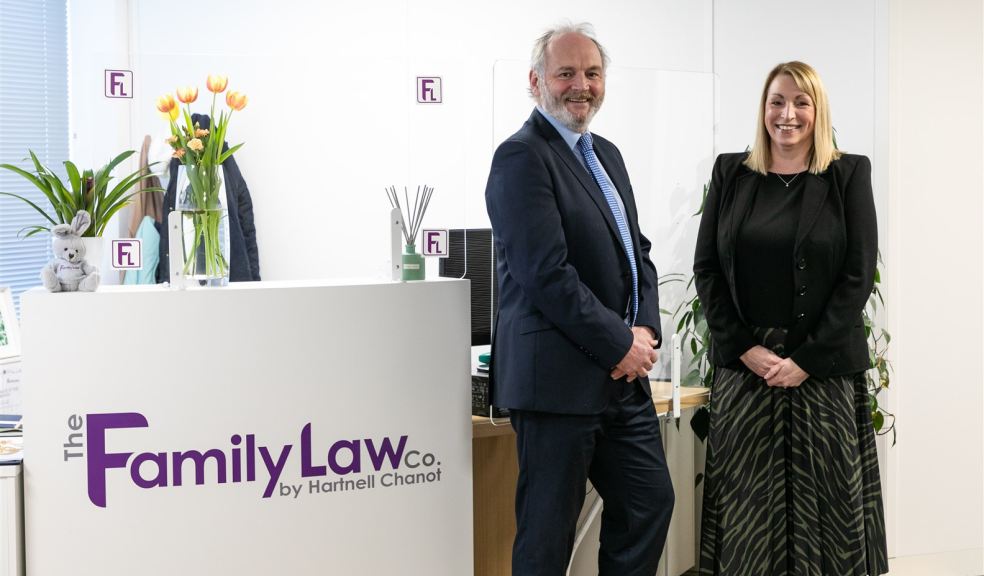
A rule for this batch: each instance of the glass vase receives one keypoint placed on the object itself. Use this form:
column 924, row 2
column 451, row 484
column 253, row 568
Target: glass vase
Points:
column 413, row 263
column 201, row 199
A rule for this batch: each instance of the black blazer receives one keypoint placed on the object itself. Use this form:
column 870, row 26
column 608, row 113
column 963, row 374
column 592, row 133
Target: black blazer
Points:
column 564, row 282
column 833, row 265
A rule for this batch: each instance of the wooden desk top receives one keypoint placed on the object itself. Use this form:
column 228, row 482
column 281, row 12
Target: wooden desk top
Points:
column 690, row 397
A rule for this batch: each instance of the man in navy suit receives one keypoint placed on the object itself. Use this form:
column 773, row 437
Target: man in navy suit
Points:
column 578, row 324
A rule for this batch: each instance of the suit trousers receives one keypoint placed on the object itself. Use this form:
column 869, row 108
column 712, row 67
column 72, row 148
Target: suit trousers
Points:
column 621, row 452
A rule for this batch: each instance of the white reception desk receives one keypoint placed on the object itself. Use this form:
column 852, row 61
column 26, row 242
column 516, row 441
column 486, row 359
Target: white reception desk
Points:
column 261, row 428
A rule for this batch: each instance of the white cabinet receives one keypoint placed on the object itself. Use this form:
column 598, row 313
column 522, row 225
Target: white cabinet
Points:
column 11, row 521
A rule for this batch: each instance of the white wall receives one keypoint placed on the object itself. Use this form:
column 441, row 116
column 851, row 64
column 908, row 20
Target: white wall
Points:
column 332, row 117
column 935, row 215
column 752, row 36
column 845, row 42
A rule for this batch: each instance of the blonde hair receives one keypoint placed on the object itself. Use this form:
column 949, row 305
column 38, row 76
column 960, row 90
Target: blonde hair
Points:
column 823, row 151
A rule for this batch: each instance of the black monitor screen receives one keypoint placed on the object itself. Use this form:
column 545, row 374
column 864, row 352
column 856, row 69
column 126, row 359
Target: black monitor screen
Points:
column 472, row 256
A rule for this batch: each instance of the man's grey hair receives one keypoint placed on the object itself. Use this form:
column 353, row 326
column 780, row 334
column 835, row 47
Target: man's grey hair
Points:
column 538, row 59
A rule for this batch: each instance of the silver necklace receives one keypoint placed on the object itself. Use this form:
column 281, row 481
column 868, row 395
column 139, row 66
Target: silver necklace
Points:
column 784, row 181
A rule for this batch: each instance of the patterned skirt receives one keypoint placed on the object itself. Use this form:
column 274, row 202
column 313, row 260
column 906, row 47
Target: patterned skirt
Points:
column 791, row 481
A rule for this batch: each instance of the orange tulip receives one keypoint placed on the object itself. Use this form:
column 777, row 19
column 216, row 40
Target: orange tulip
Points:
column 188, row 94
column 166, row 103
column 236, row 101
column 216, row 83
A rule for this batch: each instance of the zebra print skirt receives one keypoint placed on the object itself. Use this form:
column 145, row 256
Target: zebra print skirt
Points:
column 791, row 481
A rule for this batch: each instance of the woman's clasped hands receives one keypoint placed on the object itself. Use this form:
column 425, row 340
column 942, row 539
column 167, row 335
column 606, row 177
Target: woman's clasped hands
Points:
column 776, row 371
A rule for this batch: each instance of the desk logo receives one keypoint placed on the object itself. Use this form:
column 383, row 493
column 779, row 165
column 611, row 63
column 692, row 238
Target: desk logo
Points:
column 436, row 243
column 127, row 254
column 338, row 465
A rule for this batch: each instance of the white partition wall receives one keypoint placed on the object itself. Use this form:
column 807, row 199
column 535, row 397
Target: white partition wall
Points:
column 937, row 283
column 256, row 429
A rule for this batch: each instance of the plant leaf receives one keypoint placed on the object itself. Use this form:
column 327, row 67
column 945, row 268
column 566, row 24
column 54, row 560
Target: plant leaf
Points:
column 33, row 205
column 33, row 230
column 691, row 379
column 700, row 423
column 230, row 152
column 74, row 178
column 40, row 183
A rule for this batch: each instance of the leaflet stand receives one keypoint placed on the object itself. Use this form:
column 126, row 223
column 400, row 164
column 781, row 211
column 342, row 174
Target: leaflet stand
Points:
column 396, row 244
column 175, row 253
column 676, row 361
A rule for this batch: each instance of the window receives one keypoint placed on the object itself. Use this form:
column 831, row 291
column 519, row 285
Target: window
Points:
column 33, row 116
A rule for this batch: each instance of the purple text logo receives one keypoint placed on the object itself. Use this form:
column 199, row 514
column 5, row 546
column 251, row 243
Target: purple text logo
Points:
column 436, row 243
column 127, row 254
column 428, row 89
column 119, row 84
column 242, row 460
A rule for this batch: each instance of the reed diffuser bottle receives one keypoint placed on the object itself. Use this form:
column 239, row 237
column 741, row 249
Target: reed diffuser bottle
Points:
column 413, row 265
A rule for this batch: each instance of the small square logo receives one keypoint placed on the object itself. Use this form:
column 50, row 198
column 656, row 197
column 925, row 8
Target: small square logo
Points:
column 436, row 243
column 127, row 254
column 119, row 84
column 428, row 89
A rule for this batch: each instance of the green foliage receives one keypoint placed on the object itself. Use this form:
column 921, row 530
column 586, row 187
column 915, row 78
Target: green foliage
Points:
column 86, row 190
column 694, row 333
column 879, row 378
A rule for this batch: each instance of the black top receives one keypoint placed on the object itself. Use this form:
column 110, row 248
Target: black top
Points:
column 764, row 250
column 833, row 264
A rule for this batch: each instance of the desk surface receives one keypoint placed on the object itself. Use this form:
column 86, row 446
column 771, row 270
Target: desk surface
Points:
column 690, row 396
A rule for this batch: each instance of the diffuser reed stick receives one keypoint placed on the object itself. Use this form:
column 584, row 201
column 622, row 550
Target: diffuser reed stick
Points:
column 412, row 216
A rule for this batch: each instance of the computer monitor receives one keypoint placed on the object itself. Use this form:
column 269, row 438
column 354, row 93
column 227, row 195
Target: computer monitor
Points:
column 472, row 256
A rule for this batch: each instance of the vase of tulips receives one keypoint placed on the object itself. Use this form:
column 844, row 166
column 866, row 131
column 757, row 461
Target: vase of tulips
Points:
column 200, row 184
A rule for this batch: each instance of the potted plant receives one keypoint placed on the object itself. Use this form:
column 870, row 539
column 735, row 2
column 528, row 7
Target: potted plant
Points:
column 86, row 190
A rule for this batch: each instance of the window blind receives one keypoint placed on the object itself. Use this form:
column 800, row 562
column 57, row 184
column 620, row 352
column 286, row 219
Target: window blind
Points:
column 33, row 116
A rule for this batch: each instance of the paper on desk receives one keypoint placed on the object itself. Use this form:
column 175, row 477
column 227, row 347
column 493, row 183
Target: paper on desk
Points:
column 10, row 387
column 11, row 450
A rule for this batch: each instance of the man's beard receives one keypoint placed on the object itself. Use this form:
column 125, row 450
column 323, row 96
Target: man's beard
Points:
column 555, row 107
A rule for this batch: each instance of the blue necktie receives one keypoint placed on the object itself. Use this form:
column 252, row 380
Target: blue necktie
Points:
column 587, row 149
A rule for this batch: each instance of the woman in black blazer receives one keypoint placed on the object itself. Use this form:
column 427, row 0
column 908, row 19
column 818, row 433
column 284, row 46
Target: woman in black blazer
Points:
column 785, row 263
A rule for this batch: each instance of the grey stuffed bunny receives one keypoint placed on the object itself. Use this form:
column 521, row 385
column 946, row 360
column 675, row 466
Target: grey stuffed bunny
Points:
column 69, row 271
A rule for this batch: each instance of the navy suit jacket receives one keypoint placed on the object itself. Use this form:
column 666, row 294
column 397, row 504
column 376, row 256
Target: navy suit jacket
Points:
column 564, row 281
